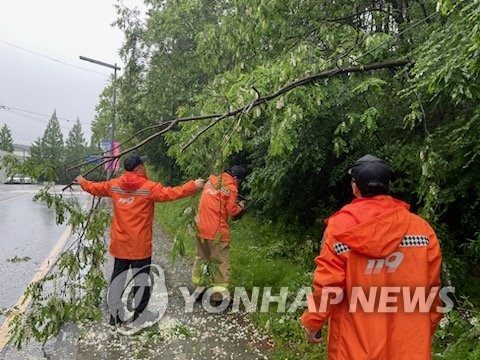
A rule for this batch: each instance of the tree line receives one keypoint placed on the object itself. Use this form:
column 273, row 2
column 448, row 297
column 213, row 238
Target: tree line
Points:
column 50, row 154
column 197, row 57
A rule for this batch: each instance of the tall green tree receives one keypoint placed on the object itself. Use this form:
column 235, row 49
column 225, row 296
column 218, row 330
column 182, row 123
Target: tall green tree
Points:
column 153, row 91
column 6, row 142
column 75, row 146
column 445, row 81
column 49, row 152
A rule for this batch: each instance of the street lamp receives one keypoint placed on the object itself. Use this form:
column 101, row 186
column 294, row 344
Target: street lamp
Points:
column 112, row 134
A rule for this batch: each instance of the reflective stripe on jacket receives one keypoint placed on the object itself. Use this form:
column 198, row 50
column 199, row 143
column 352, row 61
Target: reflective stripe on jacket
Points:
column 217, row 203
column 133, row 200
column 377, row 252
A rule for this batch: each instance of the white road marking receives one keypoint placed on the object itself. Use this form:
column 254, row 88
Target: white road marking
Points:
column 12, row 198
column 23, row 303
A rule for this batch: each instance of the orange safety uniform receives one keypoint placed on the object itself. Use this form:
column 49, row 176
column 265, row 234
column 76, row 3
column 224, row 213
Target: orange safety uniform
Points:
column 133, row 199
column 373, row 244
column 217, row 203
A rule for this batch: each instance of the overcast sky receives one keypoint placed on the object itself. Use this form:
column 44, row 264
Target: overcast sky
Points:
column 40, row 69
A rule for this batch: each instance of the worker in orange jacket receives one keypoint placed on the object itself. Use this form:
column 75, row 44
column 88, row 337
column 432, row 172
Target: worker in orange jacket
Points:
column 375, row 259
column 133, row 199
column 218, row 203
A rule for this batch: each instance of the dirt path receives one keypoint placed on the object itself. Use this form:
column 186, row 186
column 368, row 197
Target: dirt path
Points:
column 180, row 334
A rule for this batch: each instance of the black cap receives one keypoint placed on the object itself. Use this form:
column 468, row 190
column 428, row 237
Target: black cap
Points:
column 133, row 161
column 372, row 175
column 238, row 171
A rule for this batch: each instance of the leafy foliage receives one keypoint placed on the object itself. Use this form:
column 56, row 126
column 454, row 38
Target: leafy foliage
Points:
column 71, row 290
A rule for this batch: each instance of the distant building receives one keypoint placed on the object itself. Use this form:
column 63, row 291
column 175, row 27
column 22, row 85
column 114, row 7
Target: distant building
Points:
column 21, row 152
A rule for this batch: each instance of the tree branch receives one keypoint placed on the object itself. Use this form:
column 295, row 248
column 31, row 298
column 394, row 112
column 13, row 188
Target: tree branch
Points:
column 245, row 108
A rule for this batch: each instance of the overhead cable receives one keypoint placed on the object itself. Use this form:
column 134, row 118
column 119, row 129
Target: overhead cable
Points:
column 51, row 58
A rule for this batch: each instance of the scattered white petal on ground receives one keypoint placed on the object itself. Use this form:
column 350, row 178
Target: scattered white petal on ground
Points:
column 178, row 335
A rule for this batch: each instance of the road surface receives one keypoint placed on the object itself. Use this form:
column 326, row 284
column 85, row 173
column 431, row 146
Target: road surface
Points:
column 28, row 236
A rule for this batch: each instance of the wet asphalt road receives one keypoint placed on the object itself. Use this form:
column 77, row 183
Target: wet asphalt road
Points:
column 28, row 233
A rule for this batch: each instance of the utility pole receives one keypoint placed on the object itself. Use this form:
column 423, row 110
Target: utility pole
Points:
column 112, row 133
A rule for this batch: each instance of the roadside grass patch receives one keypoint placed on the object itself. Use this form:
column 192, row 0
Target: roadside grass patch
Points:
column 257, row 260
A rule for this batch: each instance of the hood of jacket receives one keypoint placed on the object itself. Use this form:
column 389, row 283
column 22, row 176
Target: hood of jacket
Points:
column 382, row 222
column 131, row 181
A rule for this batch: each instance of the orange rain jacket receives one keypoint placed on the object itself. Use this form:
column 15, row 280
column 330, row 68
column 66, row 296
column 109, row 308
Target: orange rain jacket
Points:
column 133, row 197
column 370, row 244
column 217, row 203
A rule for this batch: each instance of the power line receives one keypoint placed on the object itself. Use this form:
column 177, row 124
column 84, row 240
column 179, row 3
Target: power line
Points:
column 29, row 141
column 26, row 116
column 51, row 58
column 9, row 108
column 86, row 132
column 43, row 121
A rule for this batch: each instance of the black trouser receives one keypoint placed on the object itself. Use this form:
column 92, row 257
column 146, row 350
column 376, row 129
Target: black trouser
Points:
column 141, row 273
